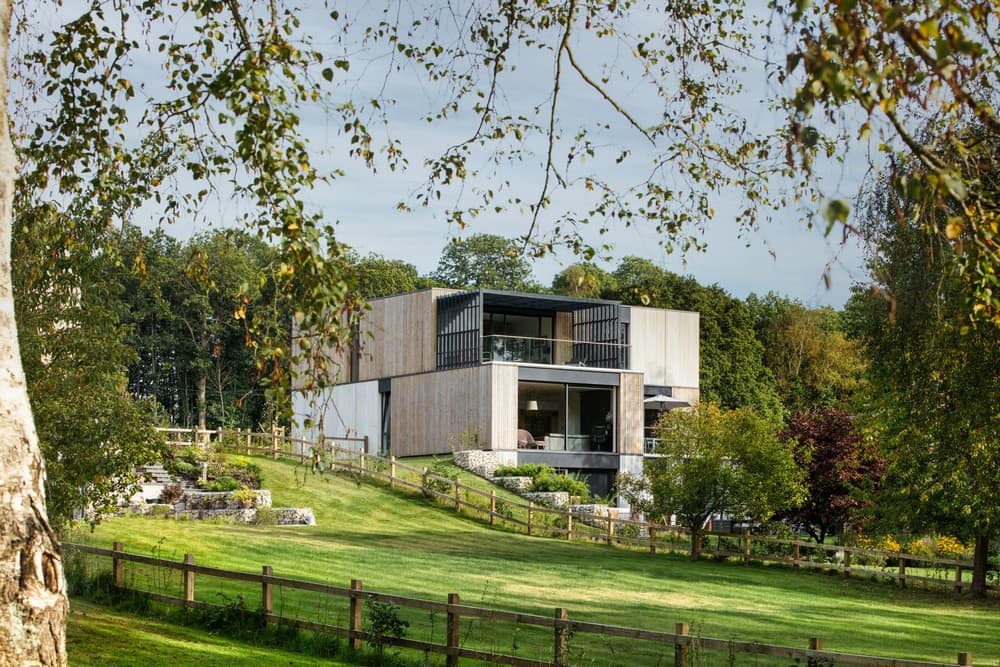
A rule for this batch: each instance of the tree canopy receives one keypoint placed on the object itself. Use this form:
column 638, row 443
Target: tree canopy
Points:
column 485, row 261
column 934, row 385
column 713, row 461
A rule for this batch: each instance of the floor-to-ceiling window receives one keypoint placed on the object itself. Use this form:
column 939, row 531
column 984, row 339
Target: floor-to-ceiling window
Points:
column 561, row 417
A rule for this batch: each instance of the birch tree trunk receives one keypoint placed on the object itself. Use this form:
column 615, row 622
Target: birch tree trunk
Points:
column 33, row 602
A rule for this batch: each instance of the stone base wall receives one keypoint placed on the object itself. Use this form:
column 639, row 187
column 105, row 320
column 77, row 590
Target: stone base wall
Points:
column 222, row 500
column 557, row 499
column 519, row 485
column 477, row 461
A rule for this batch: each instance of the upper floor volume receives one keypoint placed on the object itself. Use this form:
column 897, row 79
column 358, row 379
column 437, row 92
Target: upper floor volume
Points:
column 488, row 325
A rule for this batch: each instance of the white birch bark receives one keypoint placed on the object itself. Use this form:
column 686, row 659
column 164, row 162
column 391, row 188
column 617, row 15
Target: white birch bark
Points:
column 33, row 601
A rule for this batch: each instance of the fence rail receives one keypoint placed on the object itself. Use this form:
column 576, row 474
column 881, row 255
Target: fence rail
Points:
column 351, row 455
column 564, row 630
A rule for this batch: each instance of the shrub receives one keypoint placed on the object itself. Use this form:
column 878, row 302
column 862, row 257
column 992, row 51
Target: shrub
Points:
column 549, row 481
column 224, row 483
column 523, row 470
column 265, row 516
column 171, row 493
column 244, row 471
column 182, row 468
column 381, row 622
column 244, row 496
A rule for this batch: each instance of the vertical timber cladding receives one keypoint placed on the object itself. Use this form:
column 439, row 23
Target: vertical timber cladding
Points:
column 630, row 414
column 398, row 335
column 600, row 336
column 459, row 330
column 438, row 412
column 503, row 389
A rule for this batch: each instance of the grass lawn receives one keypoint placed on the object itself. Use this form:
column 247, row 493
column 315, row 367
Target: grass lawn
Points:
column 398, row 543
column 103, row 638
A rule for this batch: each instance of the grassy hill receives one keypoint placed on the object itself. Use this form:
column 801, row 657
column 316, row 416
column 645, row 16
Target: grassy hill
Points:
column 103, row 638
column 399, row 543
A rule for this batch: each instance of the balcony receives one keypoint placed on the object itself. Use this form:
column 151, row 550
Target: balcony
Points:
column 552, row 351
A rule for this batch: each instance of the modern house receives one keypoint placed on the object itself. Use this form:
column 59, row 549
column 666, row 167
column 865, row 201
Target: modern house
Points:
column 566, row 381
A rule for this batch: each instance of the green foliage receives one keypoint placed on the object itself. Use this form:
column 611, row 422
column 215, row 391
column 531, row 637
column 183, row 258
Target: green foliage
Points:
column 548, row 481
column 378, row 276
column 381, row 622
column 485, row 261
column 715, row 461
column 224, row 483
column 584, row 280
column 922, row 75
column 814, row 363
column 732, row 371
column 182, row 468
column 523, row 470
column 933, row 378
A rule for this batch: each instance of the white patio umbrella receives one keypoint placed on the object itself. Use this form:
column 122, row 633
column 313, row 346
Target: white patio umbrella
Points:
column 662, row 402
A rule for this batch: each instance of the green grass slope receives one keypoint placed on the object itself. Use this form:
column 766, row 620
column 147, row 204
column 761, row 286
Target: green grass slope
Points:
column 399, row 543
column 103, row 638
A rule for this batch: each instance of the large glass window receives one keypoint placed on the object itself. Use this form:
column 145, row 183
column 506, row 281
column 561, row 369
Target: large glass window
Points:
column 559, row 417
column 526, row 338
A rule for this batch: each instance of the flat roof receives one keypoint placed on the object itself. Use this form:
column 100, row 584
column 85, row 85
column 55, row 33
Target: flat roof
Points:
column 539, row 302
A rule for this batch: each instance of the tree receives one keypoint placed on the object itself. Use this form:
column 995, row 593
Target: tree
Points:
column 485, row 261
column 583, row 279
column 923, row 75
column 807, row 350
column 378, row 276
column 842, row 470
column 933, row 377
column 91, row 431
column 714, row 461
column 732, row 370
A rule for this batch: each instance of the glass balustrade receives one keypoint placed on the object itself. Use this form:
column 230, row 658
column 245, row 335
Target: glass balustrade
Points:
column 555, row 351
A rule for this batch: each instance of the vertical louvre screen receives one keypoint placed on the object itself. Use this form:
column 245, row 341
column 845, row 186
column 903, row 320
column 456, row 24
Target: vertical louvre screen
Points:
column 459, row 326
column 600, row 337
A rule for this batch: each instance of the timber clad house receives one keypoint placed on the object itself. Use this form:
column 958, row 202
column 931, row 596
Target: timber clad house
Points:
column 570, row 382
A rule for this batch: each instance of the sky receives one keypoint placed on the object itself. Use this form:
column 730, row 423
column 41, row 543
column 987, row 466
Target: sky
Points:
column 782, row 255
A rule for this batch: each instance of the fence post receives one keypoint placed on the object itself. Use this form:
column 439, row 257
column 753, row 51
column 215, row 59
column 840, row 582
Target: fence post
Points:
column 118, row 566
column 652, row 540
column 423, row 484
column 361, row 462
column 392, row 472
column 355, row 615
column 902, row 571
column 815, row 643
column 611, row 530
column 458, row 500
column 746, row 546
column 964, row 658
column 274, row 442
column 531, row 512
column 796, row 555
column 266, row 594
column 561, row 651
column 958, row 578
column 682, row 651
column 453, row 630
column 569, row 525
column 247, row 436
column 188, row 577
column 493, row 506
column 847, row 563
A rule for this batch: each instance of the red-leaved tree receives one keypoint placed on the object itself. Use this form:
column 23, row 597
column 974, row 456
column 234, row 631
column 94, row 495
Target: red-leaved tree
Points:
column 840, row 470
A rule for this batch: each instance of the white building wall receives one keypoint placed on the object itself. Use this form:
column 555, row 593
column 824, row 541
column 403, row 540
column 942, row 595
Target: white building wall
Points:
column 347, row 410
column 665, row 346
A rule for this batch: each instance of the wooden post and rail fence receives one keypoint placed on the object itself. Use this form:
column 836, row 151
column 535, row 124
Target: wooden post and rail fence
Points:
column 351, row 455
column 566, row 634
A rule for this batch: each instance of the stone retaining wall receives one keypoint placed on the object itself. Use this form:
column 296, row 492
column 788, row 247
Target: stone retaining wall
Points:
column 519, row 485
column 557, row 499
column 477, row 461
